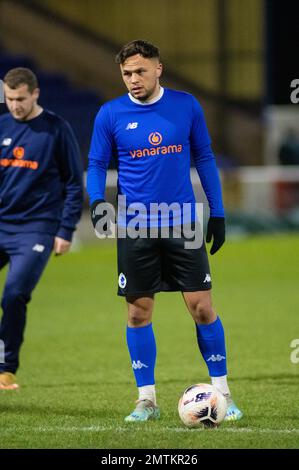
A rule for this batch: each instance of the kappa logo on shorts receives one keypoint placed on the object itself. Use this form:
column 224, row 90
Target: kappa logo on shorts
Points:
column 207, row 278
column 38, row 248
column 122, row 280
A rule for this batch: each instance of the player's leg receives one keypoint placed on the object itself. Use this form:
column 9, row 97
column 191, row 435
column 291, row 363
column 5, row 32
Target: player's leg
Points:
column 188, row 270
column 211, row 342
column 142, row 348
column 9, row 379
column 139, row 279
column 209, row 332
column 28, row 254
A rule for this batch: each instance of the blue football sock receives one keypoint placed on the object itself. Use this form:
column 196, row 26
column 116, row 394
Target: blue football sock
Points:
column 211, row 343
column 142, row 347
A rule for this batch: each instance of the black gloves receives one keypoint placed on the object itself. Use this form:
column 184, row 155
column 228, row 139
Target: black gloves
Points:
column 98, row 211
column 216, row 229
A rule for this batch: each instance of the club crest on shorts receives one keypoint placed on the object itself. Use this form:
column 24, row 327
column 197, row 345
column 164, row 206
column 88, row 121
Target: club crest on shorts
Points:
column 122, row 281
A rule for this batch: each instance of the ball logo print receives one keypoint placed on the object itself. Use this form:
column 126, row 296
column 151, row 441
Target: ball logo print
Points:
column 202, row 396
column 155, row 138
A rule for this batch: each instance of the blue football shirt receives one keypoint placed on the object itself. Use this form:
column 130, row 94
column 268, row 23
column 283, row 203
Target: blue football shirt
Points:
column 153, row 144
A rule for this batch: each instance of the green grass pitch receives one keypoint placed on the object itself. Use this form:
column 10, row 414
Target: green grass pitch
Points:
column 75, row 375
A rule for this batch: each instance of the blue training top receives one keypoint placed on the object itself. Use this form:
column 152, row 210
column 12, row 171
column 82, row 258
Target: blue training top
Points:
column 41, row 187
column 153, row 144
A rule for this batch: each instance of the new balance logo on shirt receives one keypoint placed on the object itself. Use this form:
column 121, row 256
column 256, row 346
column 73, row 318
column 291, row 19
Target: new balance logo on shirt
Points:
column 132, row 125
column 214, row 358
column 138, row 365
column 7, row 141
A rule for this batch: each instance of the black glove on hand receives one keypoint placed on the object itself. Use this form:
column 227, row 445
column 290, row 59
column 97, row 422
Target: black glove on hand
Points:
column 216, row 229
column 97, row 213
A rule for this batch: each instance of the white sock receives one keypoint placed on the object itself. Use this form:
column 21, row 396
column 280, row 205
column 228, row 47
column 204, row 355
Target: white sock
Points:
column 221, row 384
column 147, row 392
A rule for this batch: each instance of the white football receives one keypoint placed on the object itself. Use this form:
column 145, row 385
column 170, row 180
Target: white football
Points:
column 202, row 405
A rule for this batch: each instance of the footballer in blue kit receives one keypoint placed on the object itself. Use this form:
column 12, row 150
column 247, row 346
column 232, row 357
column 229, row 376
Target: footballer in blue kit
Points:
column 152, row 132
column 41, row 196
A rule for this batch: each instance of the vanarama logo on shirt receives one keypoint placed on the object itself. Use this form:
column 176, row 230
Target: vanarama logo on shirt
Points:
column 155, row 138
column 18, row 161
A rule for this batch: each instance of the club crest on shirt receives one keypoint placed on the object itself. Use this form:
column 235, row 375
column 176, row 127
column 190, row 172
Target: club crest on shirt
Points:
column 122, row 281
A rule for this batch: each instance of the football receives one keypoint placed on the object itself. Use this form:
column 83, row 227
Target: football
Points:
column 202, row 405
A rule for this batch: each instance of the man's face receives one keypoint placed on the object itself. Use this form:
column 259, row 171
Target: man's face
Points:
column 21, row 102
column 141, row 76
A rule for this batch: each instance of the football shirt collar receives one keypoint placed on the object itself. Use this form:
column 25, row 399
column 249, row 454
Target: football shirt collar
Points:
column 154, row 100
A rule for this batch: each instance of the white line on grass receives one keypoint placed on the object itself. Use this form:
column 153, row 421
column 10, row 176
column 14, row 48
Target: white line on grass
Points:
column 99, row 429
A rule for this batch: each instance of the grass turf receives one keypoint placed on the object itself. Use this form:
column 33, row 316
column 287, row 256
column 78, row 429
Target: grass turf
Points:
column 75, row 375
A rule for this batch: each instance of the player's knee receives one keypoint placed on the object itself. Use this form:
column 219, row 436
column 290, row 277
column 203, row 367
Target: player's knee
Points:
column 13, row 297
column 139, row 312
column 203, row 312
column 139, row 316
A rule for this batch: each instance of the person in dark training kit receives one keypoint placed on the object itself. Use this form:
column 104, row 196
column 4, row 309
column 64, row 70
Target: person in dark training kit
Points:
column 152, row 131
column 41, row 196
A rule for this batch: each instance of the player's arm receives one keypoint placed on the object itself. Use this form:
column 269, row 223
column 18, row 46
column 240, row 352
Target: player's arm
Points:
column 208, row 173
column 99, row 157
column 71, row 173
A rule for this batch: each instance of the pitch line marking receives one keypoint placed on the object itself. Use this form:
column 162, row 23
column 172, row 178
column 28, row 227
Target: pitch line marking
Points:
column 99, row 429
